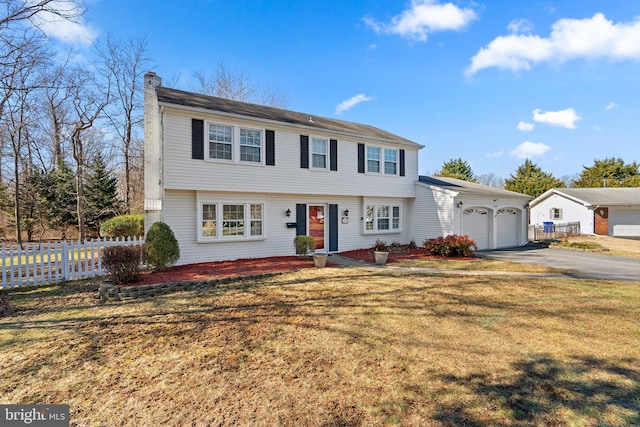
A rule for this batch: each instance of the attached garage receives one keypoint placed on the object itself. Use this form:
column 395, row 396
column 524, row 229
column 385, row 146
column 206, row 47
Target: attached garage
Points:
column 493, row 217
column 475, row 224
column 507, row 220
column 624, row 221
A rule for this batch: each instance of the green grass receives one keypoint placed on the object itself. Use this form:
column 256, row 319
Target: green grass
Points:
column 333, row 347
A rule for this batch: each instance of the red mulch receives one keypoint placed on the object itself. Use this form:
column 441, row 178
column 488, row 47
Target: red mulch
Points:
column 215, row 270
column 399, row 254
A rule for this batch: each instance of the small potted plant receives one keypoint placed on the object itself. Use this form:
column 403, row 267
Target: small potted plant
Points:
column 380, row 252
column 320, row 259
column 304, row 246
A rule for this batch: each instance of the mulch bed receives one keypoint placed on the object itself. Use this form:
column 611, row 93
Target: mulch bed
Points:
column 220, row 269
column 399, row 254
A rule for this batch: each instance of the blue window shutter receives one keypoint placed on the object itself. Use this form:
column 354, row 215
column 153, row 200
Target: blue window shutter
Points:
column 360, row 158
column 301, row 219
column 304, row 151
column 333, row 154
column 197, row 139
column 270, row 144
column 333, row 228
column 401, row 162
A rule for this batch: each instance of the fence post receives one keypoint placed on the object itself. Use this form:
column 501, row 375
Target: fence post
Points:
column 65, row 261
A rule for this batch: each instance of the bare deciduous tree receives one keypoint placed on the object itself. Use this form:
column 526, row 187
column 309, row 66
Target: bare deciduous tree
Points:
column 238, row 86
column 124, row 62
column 38, row 11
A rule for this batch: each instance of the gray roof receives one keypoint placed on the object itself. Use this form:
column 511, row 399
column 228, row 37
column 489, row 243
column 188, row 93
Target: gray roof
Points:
column 196, row 100
column 469, row 188
column 603, row 196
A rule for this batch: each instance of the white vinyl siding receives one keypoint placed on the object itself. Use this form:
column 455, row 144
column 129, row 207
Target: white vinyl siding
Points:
column 181, row 172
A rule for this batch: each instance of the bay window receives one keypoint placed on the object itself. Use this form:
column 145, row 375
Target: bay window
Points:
column 220, row 221
column 382, row 218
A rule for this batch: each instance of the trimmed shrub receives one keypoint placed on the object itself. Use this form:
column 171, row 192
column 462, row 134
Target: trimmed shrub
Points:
column 161, row 248
column 123, row 226
column 452, row 245
column 304, row 245
column 380, row 246
column 122, row 263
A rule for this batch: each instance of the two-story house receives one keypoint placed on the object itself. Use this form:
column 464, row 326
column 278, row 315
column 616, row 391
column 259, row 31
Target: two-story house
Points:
column 237, row 180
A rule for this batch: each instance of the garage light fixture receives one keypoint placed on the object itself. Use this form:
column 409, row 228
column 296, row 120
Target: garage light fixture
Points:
column 460, row 204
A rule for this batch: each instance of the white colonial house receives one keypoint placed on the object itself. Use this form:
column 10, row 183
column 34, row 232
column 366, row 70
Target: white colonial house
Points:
column 604, row 211
column 237, row 180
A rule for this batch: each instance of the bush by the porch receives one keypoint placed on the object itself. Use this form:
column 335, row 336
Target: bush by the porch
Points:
column 452, row 245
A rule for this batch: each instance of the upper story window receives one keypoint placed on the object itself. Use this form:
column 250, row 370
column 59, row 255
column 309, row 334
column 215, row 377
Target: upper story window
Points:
column 390, row 162
column 234, row 143
column 556, row 213
column 319, row 153
column 373, row 159
column 250, row 145
column 220, row 142
column 382, row 219
column 382, row 160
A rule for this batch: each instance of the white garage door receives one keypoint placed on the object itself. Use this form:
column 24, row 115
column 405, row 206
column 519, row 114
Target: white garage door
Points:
column 507, row 228
column 475, row 224
column 624, row 221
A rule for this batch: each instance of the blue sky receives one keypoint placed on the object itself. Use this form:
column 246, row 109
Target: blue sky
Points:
column 490, row 81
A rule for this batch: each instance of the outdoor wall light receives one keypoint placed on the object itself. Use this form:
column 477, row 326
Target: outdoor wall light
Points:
column 460, row 204
column 288, row 212
column 346, row 212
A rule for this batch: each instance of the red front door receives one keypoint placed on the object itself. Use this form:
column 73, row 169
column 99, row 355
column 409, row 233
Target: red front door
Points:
column 316, row 224
column 601, row 221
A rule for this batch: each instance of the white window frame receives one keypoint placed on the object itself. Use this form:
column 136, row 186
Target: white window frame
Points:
column 372, row 223
column 261, row 147
column 219, row 220
column 379, row 160
column 312, row 152
column 395, row 162
column 236, row 145
column 556, row 214
column 382, row 160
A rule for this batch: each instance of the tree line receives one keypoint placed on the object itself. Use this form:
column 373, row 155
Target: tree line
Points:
column 530, row 179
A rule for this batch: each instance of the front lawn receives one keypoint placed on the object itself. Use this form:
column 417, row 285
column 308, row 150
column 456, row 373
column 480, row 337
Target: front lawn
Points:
column 333, row 347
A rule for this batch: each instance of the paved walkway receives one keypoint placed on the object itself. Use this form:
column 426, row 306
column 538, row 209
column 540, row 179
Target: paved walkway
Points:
column 343, row 261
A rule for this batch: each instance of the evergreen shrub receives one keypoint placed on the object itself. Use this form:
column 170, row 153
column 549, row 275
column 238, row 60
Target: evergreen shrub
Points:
column 123, row 226
column 161, row 248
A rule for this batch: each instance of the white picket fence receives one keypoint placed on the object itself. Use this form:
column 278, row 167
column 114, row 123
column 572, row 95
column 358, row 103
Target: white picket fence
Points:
column 39, row 263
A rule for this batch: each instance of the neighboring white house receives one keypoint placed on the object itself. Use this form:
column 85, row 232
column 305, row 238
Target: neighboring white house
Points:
column 604, row 211
column 238, row 180
column 493, row 217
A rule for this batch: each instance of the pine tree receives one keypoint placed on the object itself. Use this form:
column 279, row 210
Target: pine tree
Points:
column 530, row 179
column 457, row 168
column 57, row 190
column 101, row 194
column 610, row 172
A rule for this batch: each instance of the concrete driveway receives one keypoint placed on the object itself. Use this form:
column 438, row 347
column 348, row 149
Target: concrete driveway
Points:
column 583, row 265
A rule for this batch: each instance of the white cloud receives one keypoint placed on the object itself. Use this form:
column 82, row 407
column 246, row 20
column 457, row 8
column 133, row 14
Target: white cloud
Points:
column 424, row 17
column 65, row 30
column 564, row 118
column 529, row 149
column 495, row 154
column 352, row 102
column 592, row 38
column 611, row 106
column 519, row 26
column 373, row 46
column 525, row 127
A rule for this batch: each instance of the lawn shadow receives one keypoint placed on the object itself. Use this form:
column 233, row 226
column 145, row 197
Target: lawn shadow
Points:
column 548, row 391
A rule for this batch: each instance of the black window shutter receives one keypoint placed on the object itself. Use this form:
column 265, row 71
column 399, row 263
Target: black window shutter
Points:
column 333, row 154
column 304, row 151
column 270, row 140
column 197, row 139
column 301, row 219
column 360, row 158
column 401, row 162
column 333, row 228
